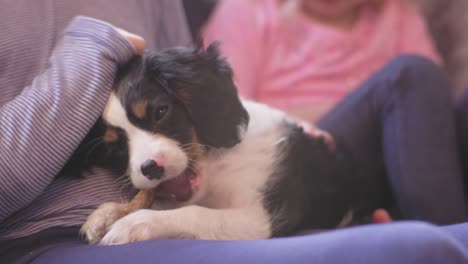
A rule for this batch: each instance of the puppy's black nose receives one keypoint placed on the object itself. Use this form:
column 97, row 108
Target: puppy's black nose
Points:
column 151, row 170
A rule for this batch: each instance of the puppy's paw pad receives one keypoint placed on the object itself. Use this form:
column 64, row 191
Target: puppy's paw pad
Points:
column 137, row 226
column 101, row 220
column 126, row 234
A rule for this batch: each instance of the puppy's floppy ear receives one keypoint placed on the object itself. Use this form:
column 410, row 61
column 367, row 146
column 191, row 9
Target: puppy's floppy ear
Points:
column 215, row 107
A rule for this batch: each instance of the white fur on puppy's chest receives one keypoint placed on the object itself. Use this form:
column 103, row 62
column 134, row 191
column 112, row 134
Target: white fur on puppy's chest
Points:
column 229, row 203
column 236, row 177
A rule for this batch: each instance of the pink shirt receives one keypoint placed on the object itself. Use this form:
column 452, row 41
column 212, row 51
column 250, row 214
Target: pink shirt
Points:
column 304, row 67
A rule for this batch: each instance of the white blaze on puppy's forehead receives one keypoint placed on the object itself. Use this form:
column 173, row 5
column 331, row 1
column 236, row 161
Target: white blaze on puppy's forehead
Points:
column 143, row 145
column 163, row 150
column 115, row 115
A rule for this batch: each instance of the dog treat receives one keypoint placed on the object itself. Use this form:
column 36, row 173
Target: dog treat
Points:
column 143, row 200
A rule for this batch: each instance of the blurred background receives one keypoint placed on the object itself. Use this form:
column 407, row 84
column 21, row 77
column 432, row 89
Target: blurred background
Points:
column 446, row 20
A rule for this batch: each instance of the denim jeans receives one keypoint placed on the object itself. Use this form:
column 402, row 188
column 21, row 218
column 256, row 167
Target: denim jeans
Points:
column 400, row 126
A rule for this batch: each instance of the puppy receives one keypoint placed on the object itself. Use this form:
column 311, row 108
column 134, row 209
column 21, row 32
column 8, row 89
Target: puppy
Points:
column 210, row 165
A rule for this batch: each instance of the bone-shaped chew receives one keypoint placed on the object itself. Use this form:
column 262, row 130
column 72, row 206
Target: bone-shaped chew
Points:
column 143, row 200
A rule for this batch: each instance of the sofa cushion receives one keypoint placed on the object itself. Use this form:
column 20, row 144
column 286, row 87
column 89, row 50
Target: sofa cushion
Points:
column 448, row 25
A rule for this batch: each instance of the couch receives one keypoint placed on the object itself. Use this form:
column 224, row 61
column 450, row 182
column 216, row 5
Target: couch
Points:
column 448, row 24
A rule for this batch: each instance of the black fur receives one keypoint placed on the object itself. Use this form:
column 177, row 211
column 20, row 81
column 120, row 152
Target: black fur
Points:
column 312, row 187
column 195, row 86
column 199, row 82
column 94, row 152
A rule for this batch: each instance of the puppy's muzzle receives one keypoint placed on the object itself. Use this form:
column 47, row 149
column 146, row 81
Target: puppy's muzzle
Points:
column 151, row 170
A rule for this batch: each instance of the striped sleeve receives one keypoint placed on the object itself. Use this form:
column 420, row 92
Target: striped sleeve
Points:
column 41, row 127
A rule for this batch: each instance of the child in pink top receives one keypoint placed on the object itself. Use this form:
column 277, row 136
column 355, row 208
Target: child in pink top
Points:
column 304, row 59
column 347, row 62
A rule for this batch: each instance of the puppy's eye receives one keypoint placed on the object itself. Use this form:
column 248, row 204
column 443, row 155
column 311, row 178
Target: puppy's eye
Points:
column 160, row 111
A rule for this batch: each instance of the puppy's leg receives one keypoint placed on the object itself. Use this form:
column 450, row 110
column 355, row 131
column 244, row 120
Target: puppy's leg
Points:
column 108, row 213
column 192, row 222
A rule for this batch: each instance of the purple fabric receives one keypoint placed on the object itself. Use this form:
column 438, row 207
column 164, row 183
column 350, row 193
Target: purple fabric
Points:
column 410, row 242
column 42, row 126
column 55, row 80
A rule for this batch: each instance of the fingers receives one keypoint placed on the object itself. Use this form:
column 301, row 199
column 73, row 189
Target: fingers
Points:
column 329, row 141
column 316, row 133
column 137, row 41
column 381, row 216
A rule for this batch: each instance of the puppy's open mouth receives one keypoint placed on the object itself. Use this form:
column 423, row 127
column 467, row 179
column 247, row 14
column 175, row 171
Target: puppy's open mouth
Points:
column 178, row 189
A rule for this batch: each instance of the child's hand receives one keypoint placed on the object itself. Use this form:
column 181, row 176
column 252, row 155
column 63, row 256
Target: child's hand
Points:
column 316, row 132
column 381, row 216
column 137, row 41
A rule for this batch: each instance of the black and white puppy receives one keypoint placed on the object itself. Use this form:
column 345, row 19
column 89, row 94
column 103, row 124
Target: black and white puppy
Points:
column 219, row 167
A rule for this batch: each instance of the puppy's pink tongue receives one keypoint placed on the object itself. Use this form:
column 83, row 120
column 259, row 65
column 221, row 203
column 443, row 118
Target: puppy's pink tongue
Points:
column 178, row 189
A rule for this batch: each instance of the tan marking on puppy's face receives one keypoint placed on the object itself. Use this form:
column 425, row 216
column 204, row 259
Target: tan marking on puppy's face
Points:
column 139, row 109
column 195, row 149
column 110, row 135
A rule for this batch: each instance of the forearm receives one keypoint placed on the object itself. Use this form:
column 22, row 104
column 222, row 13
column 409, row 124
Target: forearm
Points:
column 41, row 127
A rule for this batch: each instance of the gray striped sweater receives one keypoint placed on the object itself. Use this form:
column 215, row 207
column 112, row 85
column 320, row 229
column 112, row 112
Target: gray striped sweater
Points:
column 56, row 73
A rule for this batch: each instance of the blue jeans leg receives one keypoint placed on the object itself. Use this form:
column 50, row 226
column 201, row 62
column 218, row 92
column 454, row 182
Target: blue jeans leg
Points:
column 399, row 126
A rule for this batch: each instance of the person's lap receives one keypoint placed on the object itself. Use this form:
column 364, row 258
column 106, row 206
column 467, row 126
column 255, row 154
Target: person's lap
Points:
column 408, row 242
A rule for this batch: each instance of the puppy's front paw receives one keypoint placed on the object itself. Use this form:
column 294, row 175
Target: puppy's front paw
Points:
column 101, row 219
column 137, row 226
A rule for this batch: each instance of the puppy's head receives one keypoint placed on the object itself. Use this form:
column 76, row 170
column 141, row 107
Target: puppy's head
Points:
column 173, row 106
